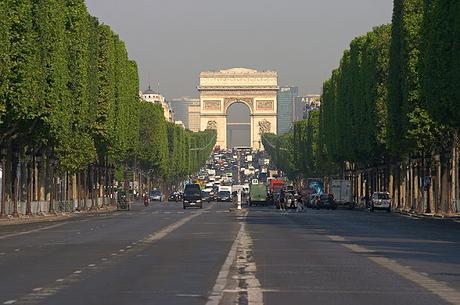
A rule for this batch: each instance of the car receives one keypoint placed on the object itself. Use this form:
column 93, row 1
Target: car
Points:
column 156, row 195
column 206, row 196
column 323, row 202
column 224, row 196
column 380, row 201
column 192, row 196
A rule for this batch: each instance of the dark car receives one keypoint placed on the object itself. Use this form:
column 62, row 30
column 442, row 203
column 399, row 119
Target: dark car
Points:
column 224, row 196
column 156, row 195
column 206, row 196
column 192, row 196
column 323, row 202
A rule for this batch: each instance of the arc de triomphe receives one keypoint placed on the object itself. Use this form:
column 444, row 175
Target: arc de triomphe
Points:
column 220, row 89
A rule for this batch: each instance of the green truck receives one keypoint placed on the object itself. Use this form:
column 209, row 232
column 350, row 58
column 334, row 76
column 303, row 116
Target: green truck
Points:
column 258, row 194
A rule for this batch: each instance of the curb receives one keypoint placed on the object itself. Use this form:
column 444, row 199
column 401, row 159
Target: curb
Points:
column 427, row 216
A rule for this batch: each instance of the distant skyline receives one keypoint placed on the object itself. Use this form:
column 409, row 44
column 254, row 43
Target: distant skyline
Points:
column 173, row 41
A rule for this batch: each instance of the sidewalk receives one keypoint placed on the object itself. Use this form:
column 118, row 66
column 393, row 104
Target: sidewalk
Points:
column 44, row 217
column 453, row 216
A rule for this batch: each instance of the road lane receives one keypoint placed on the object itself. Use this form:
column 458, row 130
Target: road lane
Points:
column 38, row 259
column 298, row 260
column 166, row 255
column 178, row 269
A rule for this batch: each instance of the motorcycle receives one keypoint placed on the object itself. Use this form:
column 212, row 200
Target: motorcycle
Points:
column 146, row 201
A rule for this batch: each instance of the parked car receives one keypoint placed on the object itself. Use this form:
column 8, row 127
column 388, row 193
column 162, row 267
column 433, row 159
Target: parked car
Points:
column 156, row 195
column 324, row 202
column 380, row 201
column 192, row 196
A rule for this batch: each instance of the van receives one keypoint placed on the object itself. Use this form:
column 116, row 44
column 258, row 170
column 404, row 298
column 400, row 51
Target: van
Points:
column 192, row 196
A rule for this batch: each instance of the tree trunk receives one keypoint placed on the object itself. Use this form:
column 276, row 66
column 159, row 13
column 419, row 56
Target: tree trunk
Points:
column 29, row 184
column 454, row 174
column 91, row 186
column 4, row 190
column 51, row 185
column 15, row 189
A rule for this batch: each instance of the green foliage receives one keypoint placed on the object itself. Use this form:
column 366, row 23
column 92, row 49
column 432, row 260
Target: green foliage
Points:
column 354, row 102
column 351, row 125
column 408, row 117
column 153, row 140
column 441, row 60
column 68, row 90
column 280, row 150
column 5, row 60
column 394, row 95
column 20, row 104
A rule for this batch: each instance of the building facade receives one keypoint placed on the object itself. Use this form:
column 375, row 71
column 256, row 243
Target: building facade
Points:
column 180, row 108
column 313, row 102
column 286, row 100
column 304, row 104
column 194, row 113
column 154, row 97
column 257, row 90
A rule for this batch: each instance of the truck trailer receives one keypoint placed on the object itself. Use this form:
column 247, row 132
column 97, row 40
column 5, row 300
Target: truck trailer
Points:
column 342, row 192
column 258, row 194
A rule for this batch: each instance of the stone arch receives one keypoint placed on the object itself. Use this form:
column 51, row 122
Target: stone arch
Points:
column 238, row 124
column 257, row 90
column 247, row 101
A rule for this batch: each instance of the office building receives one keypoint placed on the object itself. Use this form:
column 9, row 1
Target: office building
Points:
column 286, row 100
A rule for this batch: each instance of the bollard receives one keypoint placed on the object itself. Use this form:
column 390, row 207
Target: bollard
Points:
column 238, row 202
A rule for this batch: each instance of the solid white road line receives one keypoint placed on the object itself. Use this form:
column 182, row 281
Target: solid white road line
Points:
column 248, row 269
column 241, row 251
column 221, row 282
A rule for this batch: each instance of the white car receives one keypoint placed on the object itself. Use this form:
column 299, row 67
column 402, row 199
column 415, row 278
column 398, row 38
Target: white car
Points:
column 380, row 201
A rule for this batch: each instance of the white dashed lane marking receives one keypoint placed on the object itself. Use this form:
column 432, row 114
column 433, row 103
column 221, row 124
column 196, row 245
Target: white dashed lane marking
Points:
column 38, row 296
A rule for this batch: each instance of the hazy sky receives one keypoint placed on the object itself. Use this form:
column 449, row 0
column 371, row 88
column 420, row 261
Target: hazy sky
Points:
column 173, row 40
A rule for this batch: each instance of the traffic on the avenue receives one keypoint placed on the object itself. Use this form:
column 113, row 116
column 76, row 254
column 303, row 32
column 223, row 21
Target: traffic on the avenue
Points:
column 237, row 232
column 205, row 152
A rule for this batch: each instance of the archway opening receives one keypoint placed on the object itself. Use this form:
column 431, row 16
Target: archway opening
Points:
column 238, row 125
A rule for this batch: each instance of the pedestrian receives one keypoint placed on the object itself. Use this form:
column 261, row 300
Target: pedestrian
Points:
column 299, row 204
column 282, row 200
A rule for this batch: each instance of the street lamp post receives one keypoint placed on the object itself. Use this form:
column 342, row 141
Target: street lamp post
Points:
column 238, row 162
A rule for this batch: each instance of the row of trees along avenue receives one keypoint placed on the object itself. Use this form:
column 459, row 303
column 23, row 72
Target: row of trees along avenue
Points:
column 390, row 113
column 71, row 121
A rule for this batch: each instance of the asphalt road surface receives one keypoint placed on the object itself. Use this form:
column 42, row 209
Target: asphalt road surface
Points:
column 163, row 255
